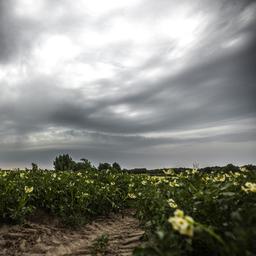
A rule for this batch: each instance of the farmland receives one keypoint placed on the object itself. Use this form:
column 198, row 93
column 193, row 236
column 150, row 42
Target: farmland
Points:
column 191, row 212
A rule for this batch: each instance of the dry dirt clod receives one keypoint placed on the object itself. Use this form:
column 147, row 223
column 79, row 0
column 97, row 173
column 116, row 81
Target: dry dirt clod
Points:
column 23, row 243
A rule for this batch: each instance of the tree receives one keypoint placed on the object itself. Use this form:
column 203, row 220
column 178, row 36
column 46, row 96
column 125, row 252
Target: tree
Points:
column 84, row 165
column 34, row 167
column 63, row 163
column 230, row 168
column 104, row 166
column 116, row 166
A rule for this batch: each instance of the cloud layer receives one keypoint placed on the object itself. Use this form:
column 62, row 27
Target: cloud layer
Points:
column 143, row 82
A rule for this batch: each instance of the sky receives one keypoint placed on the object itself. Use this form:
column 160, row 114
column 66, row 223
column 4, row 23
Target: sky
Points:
column 142, row 82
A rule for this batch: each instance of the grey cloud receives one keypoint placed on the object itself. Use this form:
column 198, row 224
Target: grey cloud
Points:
column 18, row 34
column 222, row 99
column 216, row 86
column 15, row 34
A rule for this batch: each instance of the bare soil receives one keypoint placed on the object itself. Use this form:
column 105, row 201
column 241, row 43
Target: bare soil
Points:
column 46, row 237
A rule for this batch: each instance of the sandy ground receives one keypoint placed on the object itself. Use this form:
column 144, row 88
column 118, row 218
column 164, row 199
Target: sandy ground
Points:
column 33, row 238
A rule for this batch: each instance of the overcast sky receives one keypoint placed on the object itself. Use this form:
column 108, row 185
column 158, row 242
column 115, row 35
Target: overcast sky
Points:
column 145, row 83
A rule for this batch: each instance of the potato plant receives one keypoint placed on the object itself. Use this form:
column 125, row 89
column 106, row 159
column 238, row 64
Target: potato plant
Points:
column 73, row 196
column 197, row 213
column 189, row 212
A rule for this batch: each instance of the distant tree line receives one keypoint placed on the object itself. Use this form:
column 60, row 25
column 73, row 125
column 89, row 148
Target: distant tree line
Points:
column 65, row 162
column 226, row 168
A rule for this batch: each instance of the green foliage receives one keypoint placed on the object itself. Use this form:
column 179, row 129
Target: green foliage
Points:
column 85, row 164
column 99, row 246
column 230, row 168
column 222, row 205
column 116, row 166
column 63, row 163
column 216, row 216
column 104, row 166
column 73, row 196
column 34, row 167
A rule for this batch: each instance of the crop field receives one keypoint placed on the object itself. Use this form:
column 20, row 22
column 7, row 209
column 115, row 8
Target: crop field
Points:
column 188, row 212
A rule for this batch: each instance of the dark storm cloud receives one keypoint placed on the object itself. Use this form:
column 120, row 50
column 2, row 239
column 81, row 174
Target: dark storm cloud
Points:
column 7, row 33
column 15, row 33
column 8, row 44
column 134, row 95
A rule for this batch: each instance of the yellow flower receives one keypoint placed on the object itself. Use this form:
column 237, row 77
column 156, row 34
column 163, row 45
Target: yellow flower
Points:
column 249, row 187
column 172, row 203
column 189, row 219
column 183, row 224
column 188, row 231
column 177, row 222
column 173, row 184
column 168, row 172
column 243, row 169
column 194, row 171
column 179, row 213
column 84, row 194
column 131, row 195
column 131, row 185
column 22, row 175
column 28, row 189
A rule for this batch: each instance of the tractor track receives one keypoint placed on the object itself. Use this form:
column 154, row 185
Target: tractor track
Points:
column 36, row 239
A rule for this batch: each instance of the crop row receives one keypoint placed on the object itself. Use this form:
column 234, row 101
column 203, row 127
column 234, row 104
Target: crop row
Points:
column 184, row 213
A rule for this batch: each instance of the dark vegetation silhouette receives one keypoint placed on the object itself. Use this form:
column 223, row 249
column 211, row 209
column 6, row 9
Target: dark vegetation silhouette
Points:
column 64, row 162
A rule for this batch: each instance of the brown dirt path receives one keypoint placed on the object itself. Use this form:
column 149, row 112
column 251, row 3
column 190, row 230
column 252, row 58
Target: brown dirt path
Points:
column 33, row 239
